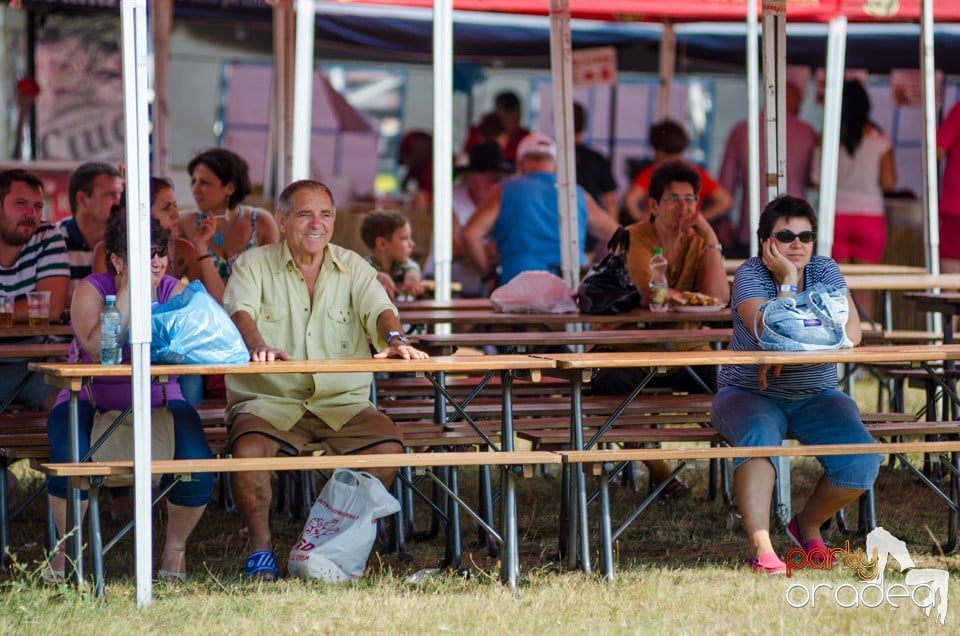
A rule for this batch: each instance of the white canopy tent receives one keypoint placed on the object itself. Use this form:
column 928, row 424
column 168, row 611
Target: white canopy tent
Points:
column 135, row 67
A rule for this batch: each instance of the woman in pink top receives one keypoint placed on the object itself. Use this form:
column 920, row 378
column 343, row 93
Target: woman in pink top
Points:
column 948, row 145
column 865, row 170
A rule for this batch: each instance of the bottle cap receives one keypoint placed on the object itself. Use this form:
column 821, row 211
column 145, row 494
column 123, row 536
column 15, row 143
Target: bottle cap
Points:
column 111, row 298
column 657, row 250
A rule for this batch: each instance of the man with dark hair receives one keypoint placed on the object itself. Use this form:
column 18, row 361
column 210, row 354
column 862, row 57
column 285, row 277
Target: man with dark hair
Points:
column 94, row 189
column 593, row 169
column 507, row 106
column 669, row 140
column 31, row 259
column 305, row 299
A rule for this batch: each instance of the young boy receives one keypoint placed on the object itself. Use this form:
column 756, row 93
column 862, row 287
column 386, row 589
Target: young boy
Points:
column 389, row 238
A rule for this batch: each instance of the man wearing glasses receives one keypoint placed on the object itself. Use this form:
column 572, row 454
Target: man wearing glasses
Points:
column 694, row 264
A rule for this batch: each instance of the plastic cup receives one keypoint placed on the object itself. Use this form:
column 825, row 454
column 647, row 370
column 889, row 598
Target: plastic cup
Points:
column 38, row 308
column 6, row 311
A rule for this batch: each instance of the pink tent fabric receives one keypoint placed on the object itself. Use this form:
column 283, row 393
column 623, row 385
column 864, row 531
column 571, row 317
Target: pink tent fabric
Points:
column 702, row 10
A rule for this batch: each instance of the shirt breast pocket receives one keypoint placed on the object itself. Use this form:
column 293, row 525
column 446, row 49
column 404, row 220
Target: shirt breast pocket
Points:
column 272, row 323
column 341, row 332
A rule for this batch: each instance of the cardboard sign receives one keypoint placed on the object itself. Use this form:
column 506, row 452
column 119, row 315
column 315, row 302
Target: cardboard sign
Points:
column 595, row 66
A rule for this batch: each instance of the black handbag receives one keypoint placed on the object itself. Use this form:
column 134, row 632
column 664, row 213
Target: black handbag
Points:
column 607, row 288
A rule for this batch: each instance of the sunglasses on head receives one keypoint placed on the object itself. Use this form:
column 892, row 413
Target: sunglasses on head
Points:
column 786, row 236
column 158, row 250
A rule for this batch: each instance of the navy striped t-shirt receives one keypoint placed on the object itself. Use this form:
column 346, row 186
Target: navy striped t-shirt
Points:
column 753, row 280
column 43, row 256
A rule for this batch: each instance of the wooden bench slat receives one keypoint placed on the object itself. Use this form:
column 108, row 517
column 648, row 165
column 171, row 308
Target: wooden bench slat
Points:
column 624, row 435
column 729, row 452
column 233, row 464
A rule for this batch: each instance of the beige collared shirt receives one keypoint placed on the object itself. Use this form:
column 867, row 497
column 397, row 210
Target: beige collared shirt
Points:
column 347, row 301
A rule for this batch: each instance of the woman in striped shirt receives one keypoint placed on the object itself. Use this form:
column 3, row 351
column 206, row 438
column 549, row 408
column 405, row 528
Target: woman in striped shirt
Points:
column 759, row 406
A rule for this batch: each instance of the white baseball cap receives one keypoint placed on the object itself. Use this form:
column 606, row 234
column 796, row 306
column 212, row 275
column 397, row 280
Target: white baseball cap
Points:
column 536, row 143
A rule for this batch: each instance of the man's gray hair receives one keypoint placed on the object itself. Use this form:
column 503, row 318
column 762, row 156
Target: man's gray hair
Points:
column 285, row 200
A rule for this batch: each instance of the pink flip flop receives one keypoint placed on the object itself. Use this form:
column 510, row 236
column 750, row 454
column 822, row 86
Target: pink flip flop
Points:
column 768, row 563
column 817, row 551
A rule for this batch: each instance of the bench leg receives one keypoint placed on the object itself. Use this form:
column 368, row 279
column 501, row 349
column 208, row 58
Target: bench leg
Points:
column 454, row 550
column 486, row 511
column 606, row 525
column 781, row 493
column 399, row 523
column 565, row 493
column 580, row 523
column 725, row 483
column 406, row 499
column 4, row 517
column 510, row 563
column 954, row 518
column 96, row 542
column 868, row 513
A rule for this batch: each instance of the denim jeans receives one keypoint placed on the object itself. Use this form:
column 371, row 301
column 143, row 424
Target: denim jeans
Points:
column 749, row 418
column 189, row 443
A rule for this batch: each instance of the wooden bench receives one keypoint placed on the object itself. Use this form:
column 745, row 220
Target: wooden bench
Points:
column 606, row 460
column 417, row 387
column 664, row 430
column 548, row 406
column 23, row 435
column 510, row 461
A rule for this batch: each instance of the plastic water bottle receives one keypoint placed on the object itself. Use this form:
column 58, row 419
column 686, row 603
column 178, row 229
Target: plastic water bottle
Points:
column 111, row 349
column 658, row 280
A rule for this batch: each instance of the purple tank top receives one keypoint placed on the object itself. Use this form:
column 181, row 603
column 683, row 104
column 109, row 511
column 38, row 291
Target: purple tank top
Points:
column 115, row 393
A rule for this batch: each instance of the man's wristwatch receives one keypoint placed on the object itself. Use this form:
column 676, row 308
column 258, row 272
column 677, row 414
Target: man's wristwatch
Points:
column 398, row 335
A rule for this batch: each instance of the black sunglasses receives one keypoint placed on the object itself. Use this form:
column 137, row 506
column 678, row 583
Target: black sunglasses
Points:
column 158, row 250
column 786, row 236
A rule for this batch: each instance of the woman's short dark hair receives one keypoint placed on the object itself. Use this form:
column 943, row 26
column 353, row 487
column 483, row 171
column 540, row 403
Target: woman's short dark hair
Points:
column 783, row 207
column 229, row 168
column 115, row 236
column 672, row 171
column 157, row 184
column 668, row 137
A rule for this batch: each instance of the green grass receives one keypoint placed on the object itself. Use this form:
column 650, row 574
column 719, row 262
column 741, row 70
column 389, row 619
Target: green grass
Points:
column 679, row 568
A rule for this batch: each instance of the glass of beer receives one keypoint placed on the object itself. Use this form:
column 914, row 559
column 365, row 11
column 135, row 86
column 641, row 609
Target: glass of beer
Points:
column 38, row 308
column 6, row 310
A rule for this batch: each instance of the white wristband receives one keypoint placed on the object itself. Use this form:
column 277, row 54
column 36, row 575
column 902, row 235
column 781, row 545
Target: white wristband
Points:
column 787, row 288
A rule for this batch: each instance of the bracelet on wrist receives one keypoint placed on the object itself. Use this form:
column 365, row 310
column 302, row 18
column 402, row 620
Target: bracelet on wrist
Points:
column 715, row 246
column 790, row 289
column 203, row 258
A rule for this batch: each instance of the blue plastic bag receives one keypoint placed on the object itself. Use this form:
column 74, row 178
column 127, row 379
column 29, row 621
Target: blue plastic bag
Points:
column 814, row 319
column 192, row 328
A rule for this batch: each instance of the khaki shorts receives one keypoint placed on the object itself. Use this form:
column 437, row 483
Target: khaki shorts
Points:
column 366, row 429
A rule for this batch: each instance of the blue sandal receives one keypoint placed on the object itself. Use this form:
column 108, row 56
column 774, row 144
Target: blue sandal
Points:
column 259, row 562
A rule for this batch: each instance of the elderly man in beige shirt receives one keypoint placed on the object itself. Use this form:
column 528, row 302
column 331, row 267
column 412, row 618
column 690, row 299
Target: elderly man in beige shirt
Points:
column 305, row 299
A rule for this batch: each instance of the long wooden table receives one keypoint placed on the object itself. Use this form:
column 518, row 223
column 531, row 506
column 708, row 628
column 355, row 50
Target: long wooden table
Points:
column 453, row 303
column 22, row 342
column 580, row 367
column 944, row 303
column 640, row 317
column 74, row 376
column 25, row 331
column 524, row 340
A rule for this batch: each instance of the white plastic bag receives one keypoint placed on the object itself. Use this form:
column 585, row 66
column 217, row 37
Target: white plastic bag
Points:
column 338, row 536
column 534, row 292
